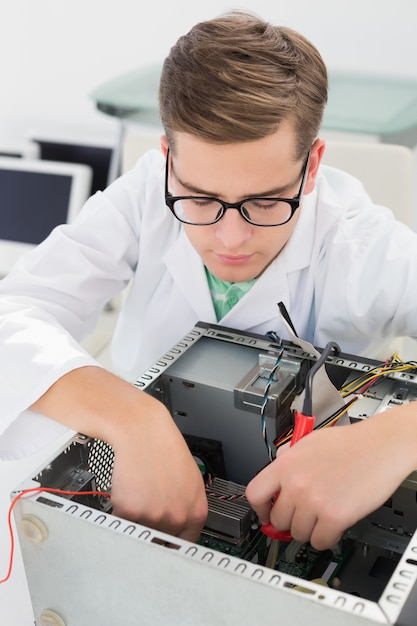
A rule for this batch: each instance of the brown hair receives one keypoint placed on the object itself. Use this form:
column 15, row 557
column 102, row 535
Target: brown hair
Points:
column 236, row 77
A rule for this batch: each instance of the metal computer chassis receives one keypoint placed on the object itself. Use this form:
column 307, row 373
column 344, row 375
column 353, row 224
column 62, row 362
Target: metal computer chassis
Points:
column 85, row 566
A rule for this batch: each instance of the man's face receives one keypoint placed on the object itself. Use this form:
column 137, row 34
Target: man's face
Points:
column 232, row 249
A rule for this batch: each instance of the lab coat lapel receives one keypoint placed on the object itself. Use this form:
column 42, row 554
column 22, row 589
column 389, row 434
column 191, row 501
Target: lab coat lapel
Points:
column 259, row 306
column 256, row 311
column 190, row 283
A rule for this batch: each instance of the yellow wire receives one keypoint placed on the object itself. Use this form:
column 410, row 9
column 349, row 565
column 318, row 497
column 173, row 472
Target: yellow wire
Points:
column 351, row 388
column 376, row 373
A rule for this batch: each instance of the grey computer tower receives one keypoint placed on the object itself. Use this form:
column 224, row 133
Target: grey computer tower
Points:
column 86, row 566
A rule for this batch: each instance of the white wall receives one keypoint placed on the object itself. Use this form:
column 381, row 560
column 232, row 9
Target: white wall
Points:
column 55, row 52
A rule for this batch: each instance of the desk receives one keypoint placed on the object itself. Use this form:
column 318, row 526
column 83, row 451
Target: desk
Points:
column 16, row 608
column 382, row 106
column 377, row 105
column 132, row 96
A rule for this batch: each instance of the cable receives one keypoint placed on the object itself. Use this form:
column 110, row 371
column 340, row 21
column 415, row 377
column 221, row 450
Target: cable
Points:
column 308, row 401
column 264, row 403
column 369, row 378
column 358, row 386
column 273, row 335
column 33, row 490
column 286, row 316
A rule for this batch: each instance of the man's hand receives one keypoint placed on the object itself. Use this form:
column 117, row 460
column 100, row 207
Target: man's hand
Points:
column 332, row 478
column 156, row 481
column 155, row 478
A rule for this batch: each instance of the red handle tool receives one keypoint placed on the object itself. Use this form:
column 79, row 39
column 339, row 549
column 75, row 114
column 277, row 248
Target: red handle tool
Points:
column 303, row 425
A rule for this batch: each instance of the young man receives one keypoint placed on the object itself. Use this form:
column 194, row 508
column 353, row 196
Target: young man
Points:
column 241, row 104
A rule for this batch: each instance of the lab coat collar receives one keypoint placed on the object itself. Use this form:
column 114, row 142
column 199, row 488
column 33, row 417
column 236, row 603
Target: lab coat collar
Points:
column 297, row 253
column 187, row 271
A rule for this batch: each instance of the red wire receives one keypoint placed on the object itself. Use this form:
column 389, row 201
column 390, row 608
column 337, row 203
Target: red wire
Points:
column 32, row 490
column 375, row 378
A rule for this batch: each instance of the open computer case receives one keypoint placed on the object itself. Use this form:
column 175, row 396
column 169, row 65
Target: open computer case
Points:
column 228, row 391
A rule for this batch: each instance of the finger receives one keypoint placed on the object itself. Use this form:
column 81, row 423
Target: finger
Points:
column 325, row 538
column 303, row 524
column 282, row 511
column 261, row 491
column 191, row 533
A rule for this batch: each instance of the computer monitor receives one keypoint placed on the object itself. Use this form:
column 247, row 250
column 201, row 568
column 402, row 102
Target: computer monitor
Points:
column 20, row 150
column 95, row 153
column 36, row 196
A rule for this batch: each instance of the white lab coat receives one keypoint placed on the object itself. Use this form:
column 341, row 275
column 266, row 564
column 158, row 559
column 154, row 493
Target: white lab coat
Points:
column 348, row 273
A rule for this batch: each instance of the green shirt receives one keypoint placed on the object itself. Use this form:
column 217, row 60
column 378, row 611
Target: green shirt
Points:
column 224, row 294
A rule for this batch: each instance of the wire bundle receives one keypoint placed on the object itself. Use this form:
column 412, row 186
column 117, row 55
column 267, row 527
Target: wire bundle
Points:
column 355, row 389
column 264, row 403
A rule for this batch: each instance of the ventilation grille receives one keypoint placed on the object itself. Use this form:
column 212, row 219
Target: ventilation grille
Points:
column 100, row 463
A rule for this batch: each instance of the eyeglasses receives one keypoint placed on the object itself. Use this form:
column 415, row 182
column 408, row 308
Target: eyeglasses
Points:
column 203, row 210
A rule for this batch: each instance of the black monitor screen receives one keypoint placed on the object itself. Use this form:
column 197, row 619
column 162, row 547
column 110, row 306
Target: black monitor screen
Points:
column 97, row 157
column 32, row 204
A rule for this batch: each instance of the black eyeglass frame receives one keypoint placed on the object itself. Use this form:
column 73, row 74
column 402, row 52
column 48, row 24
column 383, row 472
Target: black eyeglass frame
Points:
column 293, row 202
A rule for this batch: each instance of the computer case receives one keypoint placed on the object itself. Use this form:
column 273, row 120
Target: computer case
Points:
column 86, row 566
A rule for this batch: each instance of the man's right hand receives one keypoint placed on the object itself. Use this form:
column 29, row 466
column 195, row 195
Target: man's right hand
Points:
column 155, row 479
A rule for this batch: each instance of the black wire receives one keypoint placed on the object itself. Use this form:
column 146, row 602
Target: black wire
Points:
column 308, row 402
column 286, row 316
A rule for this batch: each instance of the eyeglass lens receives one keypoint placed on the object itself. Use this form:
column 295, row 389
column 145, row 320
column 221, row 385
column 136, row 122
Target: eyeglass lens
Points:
column 262, row 211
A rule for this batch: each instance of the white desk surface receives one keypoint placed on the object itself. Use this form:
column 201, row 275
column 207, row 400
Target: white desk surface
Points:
column 16, row 608
column 15, row 604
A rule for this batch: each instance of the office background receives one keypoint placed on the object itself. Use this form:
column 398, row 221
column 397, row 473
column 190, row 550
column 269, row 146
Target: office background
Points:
column 55, row 52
